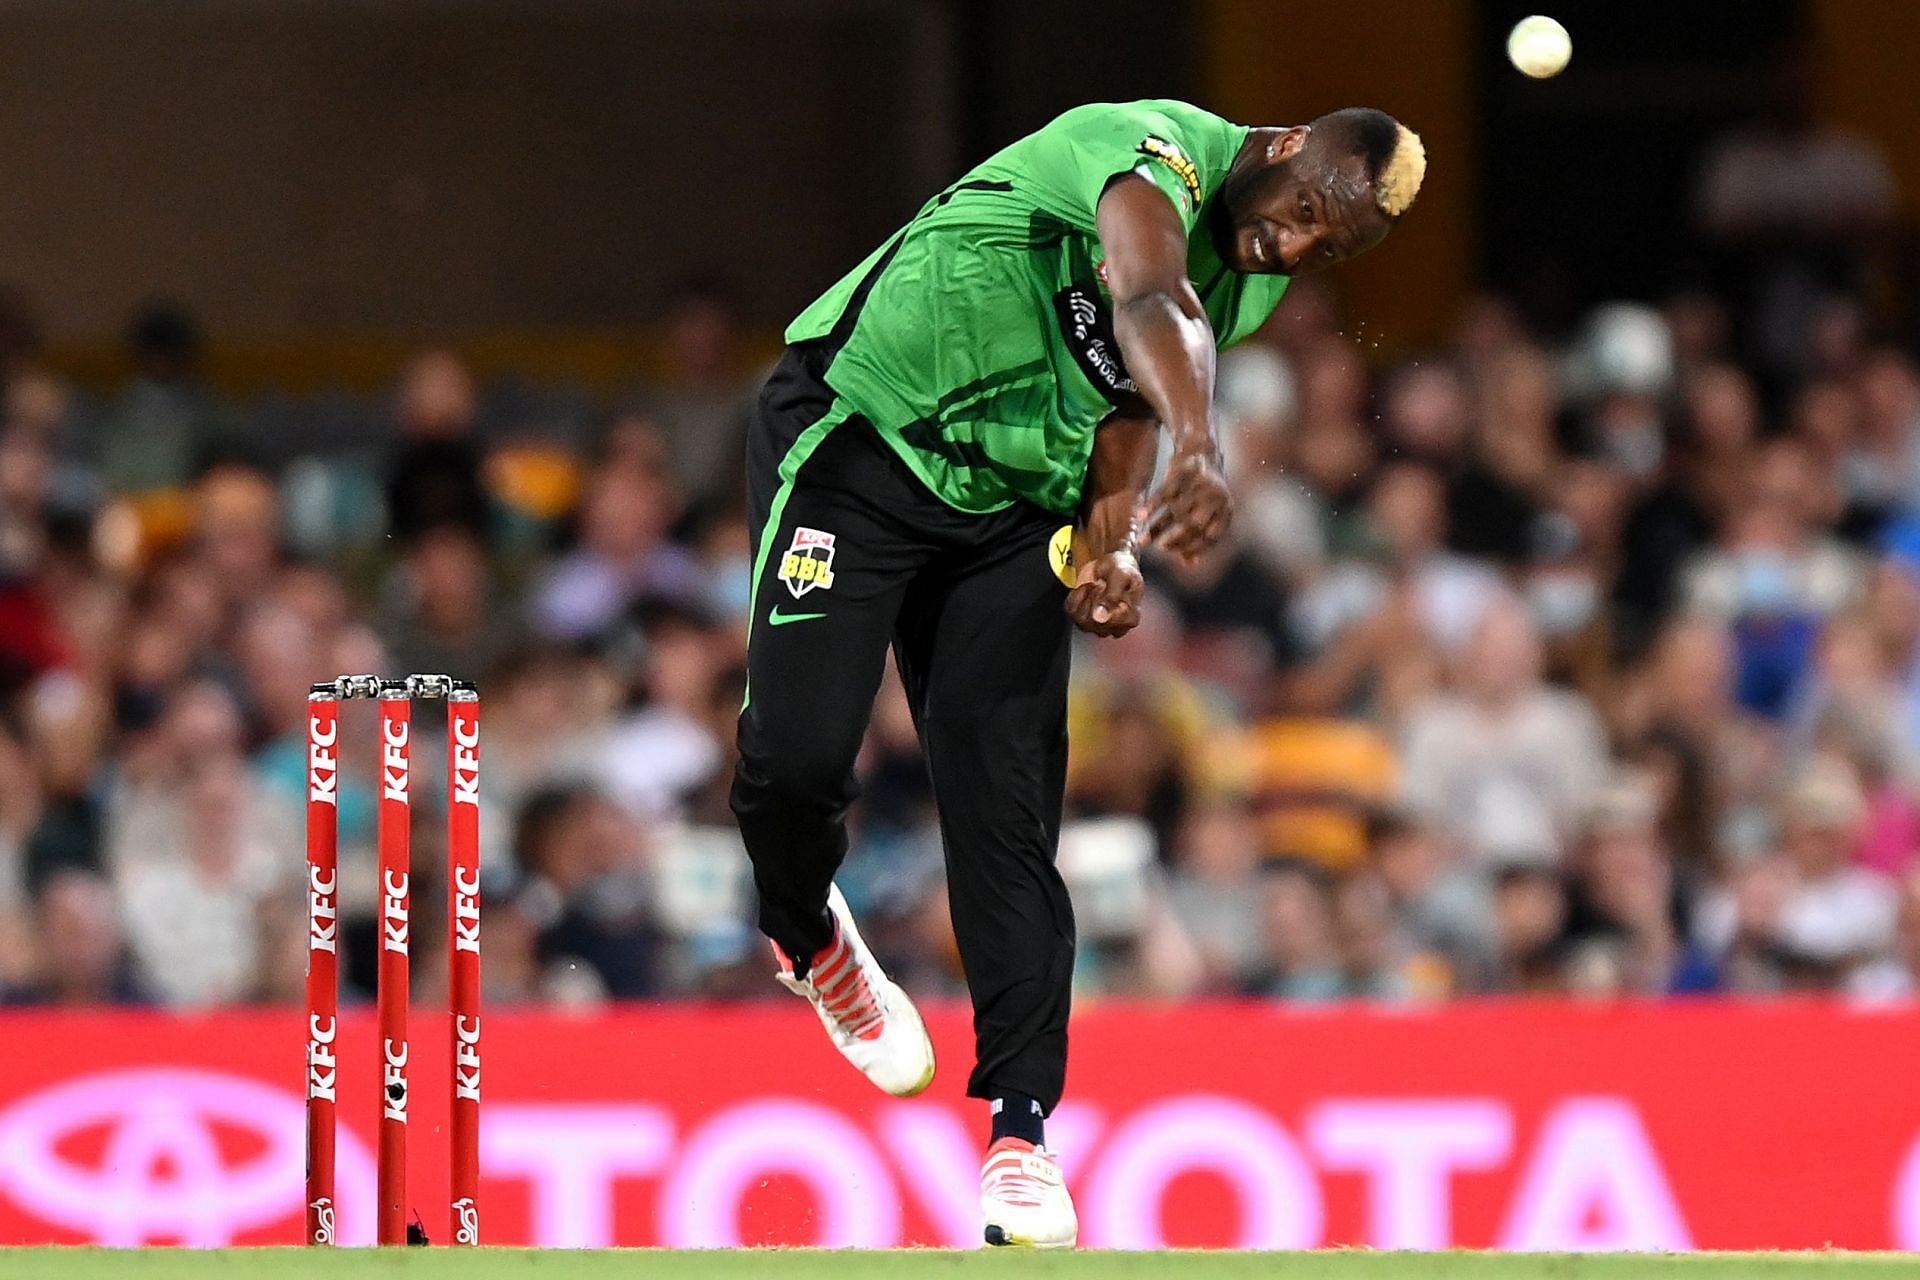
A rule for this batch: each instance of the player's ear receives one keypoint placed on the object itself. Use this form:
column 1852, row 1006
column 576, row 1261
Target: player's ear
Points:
column 1286, row 144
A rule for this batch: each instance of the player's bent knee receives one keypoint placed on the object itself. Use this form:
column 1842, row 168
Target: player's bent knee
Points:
column 796, row 773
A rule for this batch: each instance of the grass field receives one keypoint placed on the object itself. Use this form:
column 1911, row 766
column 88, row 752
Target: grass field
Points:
column 642, row 1264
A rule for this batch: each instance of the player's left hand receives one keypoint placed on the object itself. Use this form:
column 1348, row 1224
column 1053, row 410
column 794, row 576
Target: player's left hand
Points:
column 1194, row 508
column 1107, row 601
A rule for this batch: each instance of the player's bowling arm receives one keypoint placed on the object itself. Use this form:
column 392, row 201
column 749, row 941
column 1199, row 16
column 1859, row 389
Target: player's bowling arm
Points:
column 1168, row 347
column 1162, row 329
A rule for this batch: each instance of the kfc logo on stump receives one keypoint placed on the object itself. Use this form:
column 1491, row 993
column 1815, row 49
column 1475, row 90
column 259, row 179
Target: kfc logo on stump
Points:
column 393, row 759
column 466, row 759
column 323, row 766
column 323, row 910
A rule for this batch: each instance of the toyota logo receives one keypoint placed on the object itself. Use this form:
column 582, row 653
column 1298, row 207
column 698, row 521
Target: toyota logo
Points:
column 183, row 1156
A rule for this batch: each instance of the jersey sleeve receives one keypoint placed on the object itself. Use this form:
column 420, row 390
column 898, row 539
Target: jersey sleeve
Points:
column 1087, row 148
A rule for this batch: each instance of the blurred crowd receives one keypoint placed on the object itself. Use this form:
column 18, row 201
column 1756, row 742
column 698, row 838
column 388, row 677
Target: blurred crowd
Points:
column 1576, row 658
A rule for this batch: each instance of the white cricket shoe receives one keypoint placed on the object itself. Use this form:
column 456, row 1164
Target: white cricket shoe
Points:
column 868, row 1017
column 1024, row 1199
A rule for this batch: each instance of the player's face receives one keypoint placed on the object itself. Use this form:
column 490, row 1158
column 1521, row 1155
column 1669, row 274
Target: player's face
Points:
column 1297, row 216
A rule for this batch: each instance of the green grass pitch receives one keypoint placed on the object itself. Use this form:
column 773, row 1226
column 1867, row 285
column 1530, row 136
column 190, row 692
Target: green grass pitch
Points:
column 800, row 1264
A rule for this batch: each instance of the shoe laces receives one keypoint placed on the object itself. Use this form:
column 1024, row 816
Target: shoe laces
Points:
column 840, row 987
column 1018, row 1173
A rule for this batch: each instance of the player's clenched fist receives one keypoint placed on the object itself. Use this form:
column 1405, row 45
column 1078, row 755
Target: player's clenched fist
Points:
column 1194, row 507
column 1107, row 601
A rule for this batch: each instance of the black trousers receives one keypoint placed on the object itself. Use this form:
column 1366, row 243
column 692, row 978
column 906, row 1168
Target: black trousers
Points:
column 853, row 552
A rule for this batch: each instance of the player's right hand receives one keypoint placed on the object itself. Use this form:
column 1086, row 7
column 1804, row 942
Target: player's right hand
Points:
column 1107, row 601
column 1194, row 507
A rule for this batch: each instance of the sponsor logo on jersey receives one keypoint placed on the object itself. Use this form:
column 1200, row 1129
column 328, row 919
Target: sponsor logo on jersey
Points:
column 1170, row 155
column 808, row 563
column 1087, row 324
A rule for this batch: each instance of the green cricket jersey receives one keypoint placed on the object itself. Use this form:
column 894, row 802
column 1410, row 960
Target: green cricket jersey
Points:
column 979, row 339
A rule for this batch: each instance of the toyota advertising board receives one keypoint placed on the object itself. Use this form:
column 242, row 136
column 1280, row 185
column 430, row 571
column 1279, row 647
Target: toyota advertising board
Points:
column 1519, row 1126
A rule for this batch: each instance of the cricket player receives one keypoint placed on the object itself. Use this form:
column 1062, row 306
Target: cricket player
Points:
column 993, row 375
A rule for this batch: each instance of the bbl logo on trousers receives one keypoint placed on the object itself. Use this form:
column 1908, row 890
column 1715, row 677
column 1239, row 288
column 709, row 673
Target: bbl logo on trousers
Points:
column 808, row 562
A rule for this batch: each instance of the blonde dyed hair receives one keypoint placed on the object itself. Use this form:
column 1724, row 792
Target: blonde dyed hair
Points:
column 1401, row 174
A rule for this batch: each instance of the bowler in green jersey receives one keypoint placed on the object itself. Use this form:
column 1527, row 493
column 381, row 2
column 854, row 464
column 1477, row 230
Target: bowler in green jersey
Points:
column 953, row 460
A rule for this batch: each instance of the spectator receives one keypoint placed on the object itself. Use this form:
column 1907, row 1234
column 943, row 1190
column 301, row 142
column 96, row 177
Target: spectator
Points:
column 1377, row 959
column 1776, row 577
column 622, row 556
column 1826, row 416
column 1214, row 890
column 726, row 559
column 1529, row 936
column 1233, row 614
column 1814, row 916
column 441, row 617
column 1426, row 414
column 1442, row 907
column 166, row 424
column 1684, row 693
column 1507, row 762
column 1336, row 448
column 1883, row 467
column 1852, row 712
column 1139, row 730
column 1279, row 514
column 1131, row 942
column 195, row 870
column 707, row 389
column 655, row 758
column 1621, row 372
column 704, row 883
column 584, row 896
column 1683, row 800
column 19, row 808
column 548, row 711
column 67, row 733
column 1702, row 330
column 1450, row 592
column 433, row 478
column 1571, row 557
column 1139, row 771
column 1625, row 898
column 1375, row 625
column 236, row 534
column 81, row 958
column 1302, row 960
column 1721, row 423
column 1896, row 976
column 1495, row 500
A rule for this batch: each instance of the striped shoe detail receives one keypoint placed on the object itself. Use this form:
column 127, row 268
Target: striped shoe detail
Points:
column 1019, row 1174
column 842, row 990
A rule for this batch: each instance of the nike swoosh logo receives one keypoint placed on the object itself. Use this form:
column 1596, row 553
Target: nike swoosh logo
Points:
column 779, row 619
